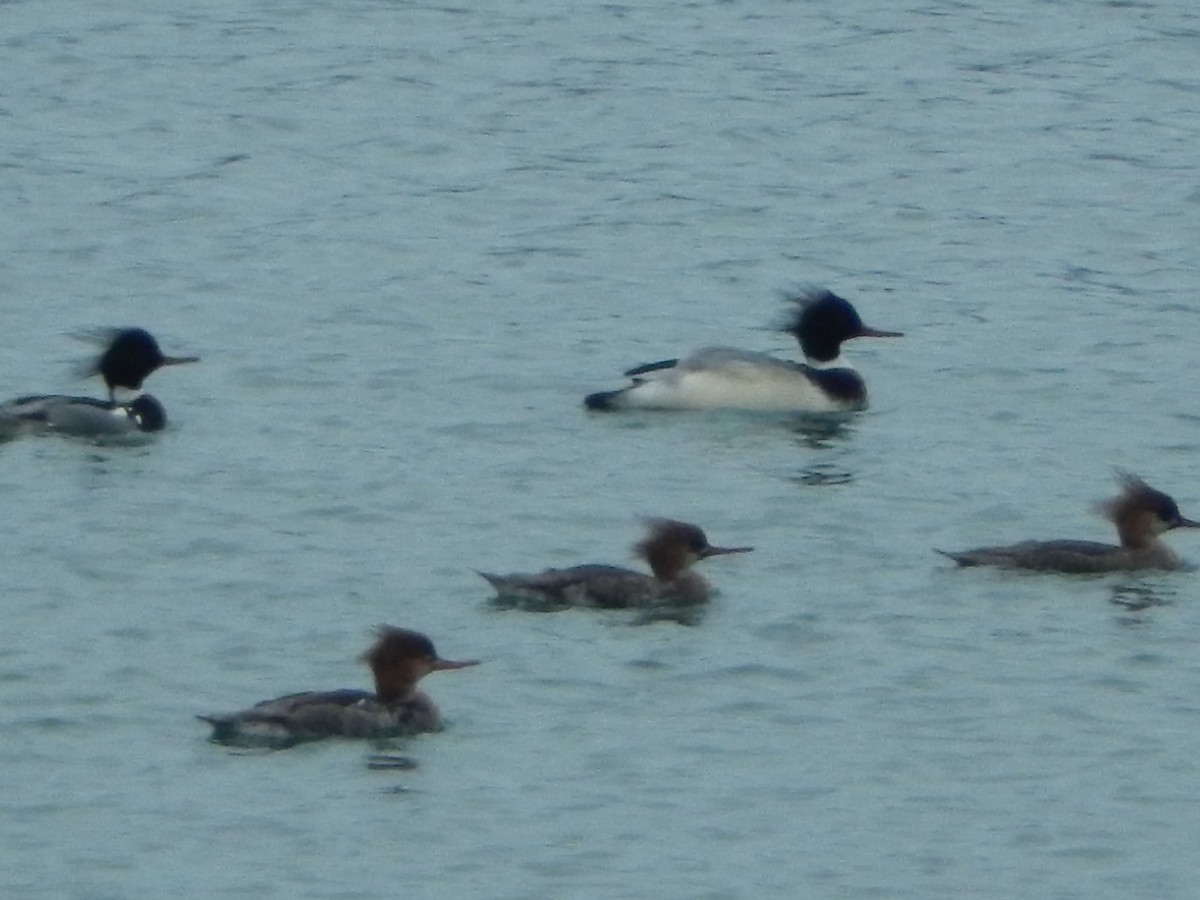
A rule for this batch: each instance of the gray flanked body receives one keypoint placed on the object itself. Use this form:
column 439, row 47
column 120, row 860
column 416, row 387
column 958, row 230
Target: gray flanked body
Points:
column 1069, row 556
column 312, row 715
column 1140, row 513
column 599, row 587
column 82, row 416
column 670, row 548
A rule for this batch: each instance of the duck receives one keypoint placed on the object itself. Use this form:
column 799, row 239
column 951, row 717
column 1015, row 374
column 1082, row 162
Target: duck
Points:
column 129, row 356
column 1140, row 513
column 731, row 378
column 399, row 659
column 670, row 548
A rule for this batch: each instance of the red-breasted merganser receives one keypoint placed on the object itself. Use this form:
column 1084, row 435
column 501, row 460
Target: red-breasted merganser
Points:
column 728, row 378
column 129, row 356
column 398, row 659
column 670, row 548
column 1140, row 513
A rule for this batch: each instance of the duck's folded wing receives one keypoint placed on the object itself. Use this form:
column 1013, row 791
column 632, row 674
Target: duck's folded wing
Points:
column 288, row 708
column 586, row 585
column 645, row 368
column 1059, row 556
column 69, row 415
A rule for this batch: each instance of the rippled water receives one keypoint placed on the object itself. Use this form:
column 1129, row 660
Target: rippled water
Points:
column 407, row 239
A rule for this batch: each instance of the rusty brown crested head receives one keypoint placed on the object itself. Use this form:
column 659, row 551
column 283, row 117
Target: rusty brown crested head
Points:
column 400, row 658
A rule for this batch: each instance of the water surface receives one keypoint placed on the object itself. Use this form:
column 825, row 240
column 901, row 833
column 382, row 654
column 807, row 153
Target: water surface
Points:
column 406, row 240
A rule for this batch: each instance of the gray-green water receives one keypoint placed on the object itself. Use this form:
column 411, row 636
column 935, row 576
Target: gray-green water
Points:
column 407, row 239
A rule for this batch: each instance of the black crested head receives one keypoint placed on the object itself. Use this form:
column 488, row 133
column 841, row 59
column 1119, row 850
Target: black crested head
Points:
column 130, row 355
column 147, row 413
column 820, row 320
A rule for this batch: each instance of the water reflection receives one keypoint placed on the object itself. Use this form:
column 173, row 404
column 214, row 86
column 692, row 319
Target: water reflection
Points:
column 505, row 602
column 689, row 614
column 1138, row 596
column 823, row 474
column 389, row 761
column 821, row 432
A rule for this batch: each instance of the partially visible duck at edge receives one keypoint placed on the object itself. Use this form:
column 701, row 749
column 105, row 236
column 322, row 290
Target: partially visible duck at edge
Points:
column 670, row 548
column 399, row 659
column 1140, row 514
column 729, row 378
column 130, row 355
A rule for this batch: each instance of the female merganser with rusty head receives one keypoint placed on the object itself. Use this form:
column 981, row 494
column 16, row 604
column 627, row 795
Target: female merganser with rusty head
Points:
column 728, row 378
column 670, row 548
column 398, row 659
column 129, row 356
column 1140, row 513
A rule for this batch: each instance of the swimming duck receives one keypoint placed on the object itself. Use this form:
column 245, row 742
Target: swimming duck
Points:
column 129, row 356
column 729, row 378
column 670, row 548
column 1140, row 514
column 399, row 659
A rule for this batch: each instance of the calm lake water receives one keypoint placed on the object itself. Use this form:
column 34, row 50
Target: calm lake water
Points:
column 406, row 240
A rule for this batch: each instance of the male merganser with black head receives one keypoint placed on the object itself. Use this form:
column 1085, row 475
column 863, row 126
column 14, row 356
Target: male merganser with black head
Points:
column 670, row 548
column 1140, row 513
column 728, row 378
column 398, row 659
column 129, row 356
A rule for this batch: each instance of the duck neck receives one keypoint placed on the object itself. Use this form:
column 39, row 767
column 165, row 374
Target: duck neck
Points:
column 394, row 691
column 1155, row 553
column 836, row 362
column 1136, row 532
column 667, row 564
